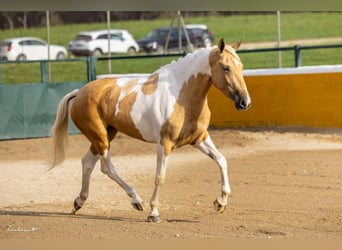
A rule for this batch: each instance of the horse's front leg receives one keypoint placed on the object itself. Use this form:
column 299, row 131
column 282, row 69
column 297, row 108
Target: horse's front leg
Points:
column 162, row 159
column 208, row 148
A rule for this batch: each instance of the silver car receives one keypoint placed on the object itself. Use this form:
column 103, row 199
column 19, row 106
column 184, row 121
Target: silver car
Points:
column 96, row 43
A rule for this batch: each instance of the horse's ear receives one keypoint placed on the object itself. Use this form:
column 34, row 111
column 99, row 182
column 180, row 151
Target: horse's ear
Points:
column 221, row 45
column 236, row 45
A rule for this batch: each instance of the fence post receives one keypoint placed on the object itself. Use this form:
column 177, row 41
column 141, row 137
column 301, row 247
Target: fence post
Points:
column 43, row 75
column 298, row 56
column 91, row 68
column 0, row 70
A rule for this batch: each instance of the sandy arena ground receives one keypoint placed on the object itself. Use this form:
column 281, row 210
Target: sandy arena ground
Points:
column 285, row 184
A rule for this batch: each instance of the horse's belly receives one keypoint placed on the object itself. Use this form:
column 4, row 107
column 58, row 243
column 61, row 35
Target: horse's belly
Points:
column 140, row 122
column 149, row 126
column 140, row 127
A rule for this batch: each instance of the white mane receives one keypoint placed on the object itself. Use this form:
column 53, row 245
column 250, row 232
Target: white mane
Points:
column 192, row 64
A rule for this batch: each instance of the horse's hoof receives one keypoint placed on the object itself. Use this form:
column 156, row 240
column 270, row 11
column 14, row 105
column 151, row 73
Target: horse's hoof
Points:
column 138, row 206
column 219, row 207
column 76, row 206
column 154, row 219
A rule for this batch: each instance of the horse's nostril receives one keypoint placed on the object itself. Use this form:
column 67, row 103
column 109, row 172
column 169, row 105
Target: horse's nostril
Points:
column 243, row 103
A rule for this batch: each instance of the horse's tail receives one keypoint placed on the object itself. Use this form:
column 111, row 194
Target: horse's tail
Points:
column 59, row 130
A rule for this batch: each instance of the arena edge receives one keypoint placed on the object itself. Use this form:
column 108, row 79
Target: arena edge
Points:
column 304, row 97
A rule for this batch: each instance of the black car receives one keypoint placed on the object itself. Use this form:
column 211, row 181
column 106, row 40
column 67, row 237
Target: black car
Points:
column 155, row 41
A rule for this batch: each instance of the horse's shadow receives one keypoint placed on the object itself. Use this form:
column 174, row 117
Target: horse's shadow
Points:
column 83, row 216
column 65, row 214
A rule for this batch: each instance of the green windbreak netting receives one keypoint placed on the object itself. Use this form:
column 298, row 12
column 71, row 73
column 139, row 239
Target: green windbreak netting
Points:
column 29, row 110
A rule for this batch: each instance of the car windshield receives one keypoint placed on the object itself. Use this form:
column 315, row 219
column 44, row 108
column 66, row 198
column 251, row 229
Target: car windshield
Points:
column 157, row 33
column 197, row 32
column 83, row 37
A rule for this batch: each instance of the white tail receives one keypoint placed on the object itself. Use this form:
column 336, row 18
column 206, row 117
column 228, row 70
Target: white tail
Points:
column 59, row 130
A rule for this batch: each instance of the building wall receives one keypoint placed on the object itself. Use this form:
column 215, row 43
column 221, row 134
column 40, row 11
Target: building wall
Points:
column 307, row 96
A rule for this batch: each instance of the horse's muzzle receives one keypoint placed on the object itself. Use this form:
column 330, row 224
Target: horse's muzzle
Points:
column 242, row 103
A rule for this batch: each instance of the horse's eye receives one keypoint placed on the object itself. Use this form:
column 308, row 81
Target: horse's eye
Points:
column 226, row 69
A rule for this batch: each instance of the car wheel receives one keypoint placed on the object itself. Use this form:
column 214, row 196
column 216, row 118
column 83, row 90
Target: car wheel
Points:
column 97, row 52
column 60, row 56
column 131, row 50
column 21, row 57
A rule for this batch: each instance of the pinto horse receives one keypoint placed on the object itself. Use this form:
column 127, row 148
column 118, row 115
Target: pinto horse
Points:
column 168, row 108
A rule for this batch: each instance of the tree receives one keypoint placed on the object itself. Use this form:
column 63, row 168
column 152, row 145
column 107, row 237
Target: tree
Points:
column 23, row 19
column 9, row 15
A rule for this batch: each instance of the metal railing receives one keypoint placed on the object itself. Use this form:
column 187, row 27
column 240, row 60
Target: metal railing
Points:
column 91, row 60
column 44, row 67
column 297, row 49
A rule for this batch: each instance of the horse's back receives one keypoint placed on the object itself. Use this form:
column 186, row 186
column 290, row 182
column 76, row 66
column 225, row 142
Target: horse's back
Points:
column 124, row 104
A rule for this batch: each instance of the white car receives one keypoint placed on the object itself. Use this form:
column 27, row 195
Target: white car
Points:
column 96, row 43
column 29, row 48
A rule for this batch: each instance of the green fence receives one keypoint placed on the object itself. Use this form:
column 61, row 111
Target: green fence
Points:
column 28, row 110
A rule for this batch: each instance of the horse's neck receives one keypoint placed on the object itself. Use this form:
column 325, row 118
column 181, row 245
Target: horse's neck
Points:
column 194, row 66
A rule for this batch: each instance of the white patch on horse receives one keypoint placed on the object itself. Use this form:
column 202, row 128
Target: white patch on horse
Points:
column 122, row 82
column 146, row 113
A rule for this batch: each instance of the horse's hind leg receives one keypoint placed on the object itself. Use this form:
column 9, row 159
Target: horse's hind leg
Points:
column 88, row 164
column 108, row 168
column 92, row 126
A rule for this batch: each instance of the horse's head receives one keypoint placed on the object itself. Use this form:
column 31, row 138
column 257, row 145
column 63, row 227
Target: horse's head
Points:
column 226, row 71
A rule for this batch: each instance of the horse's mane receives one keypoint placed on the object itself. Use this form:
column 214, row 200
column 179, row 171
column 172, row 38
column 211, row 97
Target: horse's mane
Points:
column 186, row 60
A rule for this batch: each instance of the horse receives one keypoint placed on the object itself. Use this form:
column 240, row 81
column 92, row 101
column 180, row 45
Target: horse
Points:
column 168, row 108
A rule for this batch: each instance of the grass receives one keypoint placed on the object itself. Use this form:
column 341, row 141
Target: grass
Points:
column 252, row 28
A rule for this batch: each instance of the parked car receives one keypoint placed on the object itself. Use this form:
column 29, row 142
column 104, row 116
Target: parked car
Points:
column 29, row 48
column 96, row 43
column 155, row 41
column 201, row 35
